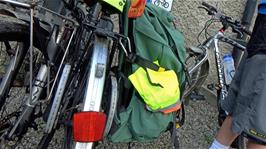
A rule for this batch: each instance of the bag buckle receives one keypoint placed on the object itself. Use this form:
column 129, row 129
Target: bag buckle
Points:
column 130, row 57
column 123, row 47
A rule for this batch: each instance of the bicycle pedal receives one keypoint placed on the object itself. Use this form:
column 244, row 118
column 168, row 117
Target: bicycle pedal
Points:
column 213, row 87
column 197, row 97
column 11, row 52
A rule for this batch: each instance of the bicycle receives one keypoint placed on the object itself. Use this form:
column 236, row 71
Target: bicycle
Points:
column 87, row 45
column 50, row 33
column 198, row 71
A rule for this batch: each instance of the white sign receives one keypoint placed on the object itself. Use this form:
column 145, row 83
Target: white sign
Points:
column 165, row 4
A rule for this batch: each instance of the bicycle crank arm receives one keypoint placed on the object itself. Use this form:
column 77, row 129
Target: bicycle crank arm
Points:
column 22, row 123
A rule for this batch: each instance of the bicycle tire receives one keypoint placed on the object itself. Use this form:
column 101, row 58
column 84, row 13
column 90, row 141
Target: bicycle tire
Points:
column 13, row 48
column 12, row 100
column 13, row 30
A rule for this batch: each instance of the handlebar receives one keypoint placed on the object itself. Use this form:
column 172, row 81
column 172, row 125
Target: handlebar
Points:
column 227, row 21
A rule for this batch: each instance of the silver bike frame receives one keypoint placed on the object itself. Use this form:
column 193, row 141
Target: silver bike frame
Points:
column 213, row 43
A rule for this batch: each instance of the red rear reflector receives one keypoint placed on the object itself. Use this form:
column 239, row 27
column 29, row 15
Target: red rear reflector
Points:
column 136, row 8
column 88, row 126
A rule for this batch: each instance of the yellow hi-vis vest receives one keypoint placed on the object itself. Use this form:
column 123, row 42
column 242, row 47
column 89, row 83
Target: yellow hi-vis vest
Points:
column 158, row 89
column 118, row 4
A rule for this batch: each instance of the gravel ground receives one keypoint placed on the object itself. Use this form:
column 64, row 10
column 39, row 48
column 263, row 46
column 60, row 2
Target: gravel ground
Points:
column 200, row 127
column 201, row 118
column 198, row 132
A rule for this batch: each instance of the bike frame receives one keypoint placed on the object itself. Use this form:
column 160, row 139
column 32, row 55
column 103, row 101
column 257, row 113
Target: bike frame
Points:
column 213, row 43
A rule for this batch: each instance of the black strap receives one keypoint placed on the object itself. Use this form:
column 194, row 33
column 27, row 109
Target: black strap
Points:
column 127, row 84
column 174, row 137
column 144, row 63
column 183, row 115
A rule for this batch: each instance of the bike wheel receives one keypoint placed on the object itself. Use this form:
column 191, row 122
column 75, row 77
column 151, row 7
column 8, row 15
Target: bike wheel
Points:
column 14, row 84
column 13, row 48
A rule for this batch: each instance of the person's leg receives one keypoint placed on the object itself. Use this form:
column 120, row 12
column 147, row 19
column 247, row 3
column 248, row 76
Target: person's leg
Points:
column 254, row 145
column 225, row 135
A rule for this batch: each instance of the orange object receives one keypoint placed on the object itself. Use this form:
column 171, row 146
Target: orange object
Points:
column 136, row 8
column 175, row 108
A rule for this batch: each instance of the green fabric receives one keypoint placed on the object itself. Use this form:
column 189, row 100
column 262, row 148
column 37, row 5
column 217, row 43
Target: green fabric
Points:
column 151, row 35
column 154, row 34
column 136, row 123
